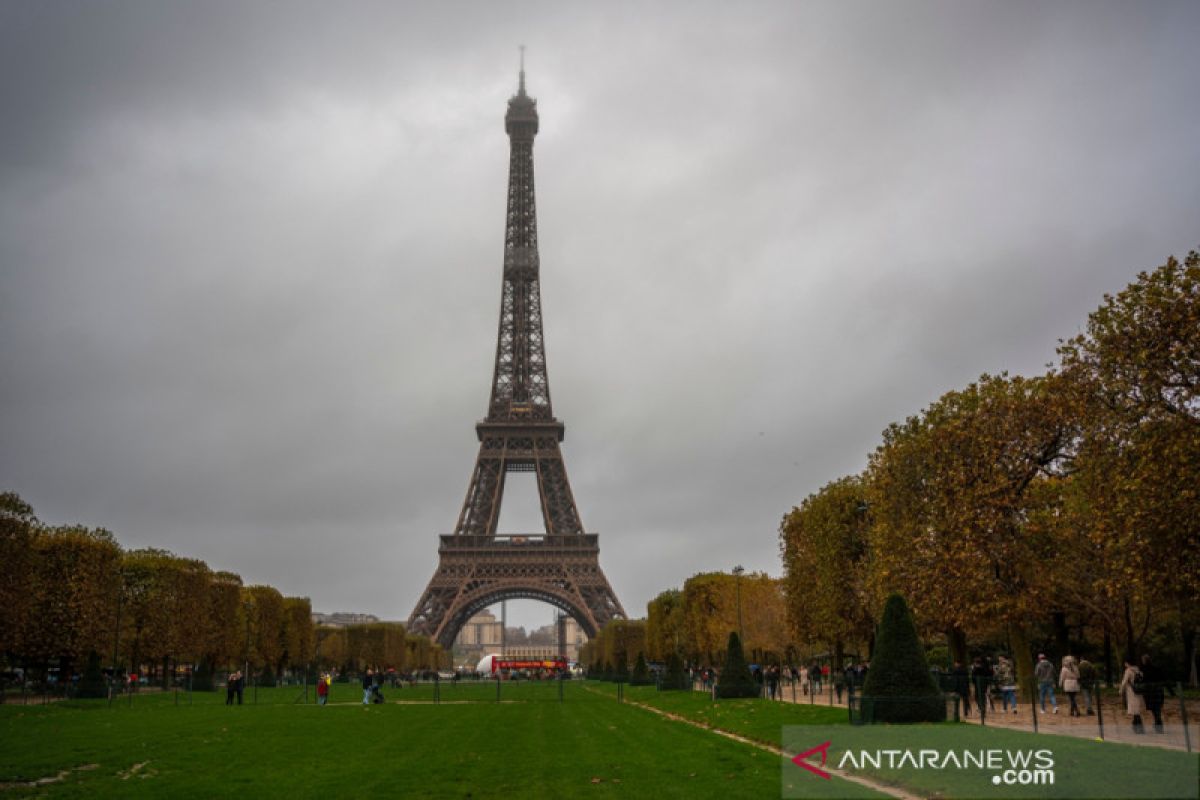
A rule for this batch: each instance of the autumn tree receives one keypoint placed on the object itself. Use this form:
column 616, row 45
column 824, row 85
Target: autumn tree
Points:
column 331, row 647
column 299, row 639
column 1138, row 367
column 220, row 637
column 709, row 614
column 72, row 594
column 824, row 543
column 18, row 526
column 664, row 625
column 950, row 493
column 262, row 609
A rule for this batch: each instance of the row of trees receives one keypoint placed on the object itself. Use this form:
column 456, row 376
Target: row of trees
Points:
column 1058, row 512
column 694, row 622
column 67, row 593
column 377, row 645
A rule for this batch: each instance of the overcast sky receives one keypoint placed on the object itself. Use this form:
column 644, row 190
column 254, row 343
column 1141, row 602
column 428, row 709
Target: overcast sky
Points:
column 250, row 256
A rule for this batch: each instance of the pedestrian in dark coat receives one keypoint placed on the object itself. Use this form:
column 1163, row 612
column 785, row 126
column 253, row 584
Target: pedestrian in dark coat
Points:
column 961, row 680
column 1154, row 693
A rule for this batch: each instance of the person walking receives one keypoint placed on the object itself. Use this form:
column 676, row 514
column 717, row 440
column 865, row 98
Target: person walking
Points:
column 368, row 684
column 1006, row 678
column 772, row 681
column 981, row 680
column 1153, row 695
column 1044, row 673
column 962, row 686
column 1087, row 684
column 322, row 690
column 1131, row 689
column 230, row 688
column 377, row 687
column 1068, row 679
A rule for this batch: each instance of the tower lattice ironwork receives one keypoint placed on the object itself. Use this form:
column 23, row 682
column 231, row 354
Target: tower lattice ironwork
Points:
column 477, row 565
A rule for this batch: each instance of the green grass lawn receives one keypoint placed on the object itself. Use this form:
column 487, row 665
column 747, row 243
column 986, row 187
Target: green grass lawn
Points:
column 761, row 720
column 531, row 746
column 1084, row 768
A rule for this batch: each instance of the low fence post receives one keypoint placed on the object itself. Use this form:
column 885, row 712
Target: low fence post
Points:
column 1187, row 736
column 497, row 688
column 1098, row 701
column 1033, row 711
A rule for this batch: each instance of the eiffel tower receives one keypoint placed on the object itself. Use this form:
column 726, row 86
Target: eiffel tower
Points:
column 477, row 566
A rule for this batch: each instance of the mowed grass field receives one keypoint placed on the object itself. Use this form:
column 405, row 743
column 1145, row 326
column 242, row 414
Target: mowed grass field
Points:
column 528, row 745
column 1083, row 767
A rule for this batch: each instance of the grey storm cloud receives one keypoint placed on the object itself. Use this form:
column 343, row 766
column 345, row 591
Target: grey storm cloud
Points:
column 250, row 252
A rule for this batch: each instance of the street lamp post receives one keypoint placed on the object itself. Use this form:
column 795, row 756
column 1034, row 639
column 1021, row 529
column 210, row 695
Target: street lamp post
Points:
column 737, row 578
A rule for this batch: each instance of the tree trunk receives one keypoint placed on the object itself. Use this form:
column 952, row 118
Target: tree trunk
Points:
column 1108, row 656
column 957, row 642
column 1130, row 655
column 1187, row 630
column 1023, row 658
column 1062, row 634
column 838, row 655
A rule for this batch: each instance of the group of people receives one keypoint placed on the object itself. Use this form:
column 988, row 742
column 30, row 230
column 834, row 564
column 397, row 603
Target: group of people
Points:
column 983, row 679
column 1142, row 688
column 372, row 685
column 234, row 687
column 767, row 677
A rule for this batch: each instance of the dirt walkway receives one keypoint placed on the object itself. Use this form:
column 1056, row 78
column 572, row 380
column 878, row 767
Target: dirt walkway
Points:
column 1117, row 726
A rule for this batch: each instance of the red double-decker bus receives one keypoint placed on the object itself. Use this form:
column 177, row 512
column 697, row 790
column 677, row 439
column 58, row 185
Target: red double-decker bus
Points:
column 550, row 664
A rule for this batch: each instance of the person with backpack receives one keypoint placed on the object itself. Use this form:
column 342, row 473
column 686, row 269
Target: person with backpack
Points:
column 1008, row 683
column 1044, row 673
column 1087, row 684
column 1132, row 686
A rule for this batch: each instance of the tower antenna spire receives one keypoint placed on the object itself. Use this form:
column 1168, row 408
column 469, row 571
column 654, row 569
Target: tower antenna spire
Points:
column 521, row 88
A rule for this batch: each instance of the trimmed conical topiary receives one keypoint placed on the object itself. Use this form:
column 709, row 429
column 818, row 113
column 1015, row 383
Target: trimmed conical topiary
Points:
column 675, row 677
column 899, row 687
column 641, row 672
column 92, row 683
column 202, row 676
column 622, row 672
column 735, row 679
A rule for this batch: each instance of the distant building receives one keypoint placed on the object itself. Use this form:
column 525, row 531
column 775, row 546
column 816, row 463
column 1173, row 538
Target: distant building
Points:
column 340, row 619
column 481, row 635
